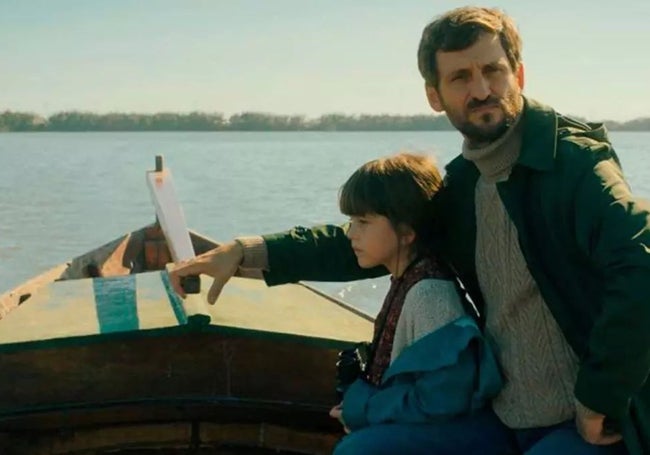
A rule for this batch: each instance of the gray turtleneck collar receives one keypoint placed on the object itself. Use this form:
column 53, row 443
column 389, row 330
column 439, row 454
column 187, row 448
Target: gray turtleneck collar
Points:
column 495, row 160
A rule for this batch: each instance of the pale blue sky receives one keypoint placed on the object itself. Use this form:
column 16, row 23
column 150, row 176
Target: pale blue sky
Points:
column 587, row 58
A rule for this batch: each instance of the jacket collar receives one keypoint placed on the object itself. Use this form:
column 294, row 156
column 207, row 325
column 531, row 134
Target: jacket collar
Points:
column 539, row 142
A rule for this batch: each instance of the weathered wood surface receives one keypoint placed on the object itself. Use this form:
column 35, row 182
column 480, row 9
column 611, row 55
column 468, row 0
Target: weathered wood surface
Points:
column 83, row 357
column 209, row 377
column 193, row 366
column 142, row 250
column 178, row 438
column 103, row 306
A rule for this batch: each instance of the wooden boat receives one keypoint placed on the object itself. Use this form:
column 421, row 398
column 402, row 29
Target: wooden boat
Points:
column 99, row 355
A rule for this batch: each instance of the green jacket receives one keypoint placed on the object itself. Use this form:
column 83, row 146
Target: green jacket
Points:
column 586, row 241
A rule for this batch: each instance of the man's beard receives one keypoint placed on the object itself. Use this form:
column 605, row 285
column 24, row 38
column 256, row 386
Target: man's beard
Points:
column 483, row 134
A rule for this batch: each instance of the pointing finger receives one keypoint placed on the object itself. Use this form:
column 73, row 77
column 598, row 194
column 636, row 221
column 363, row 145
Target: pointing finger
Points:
column 214, row 291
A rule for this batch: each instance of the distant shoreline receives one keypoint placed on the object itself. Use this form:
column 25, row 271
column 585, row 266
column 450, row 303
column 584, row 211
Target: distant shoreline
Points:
column 609, row 130
column 267, row 131
column 247, row 121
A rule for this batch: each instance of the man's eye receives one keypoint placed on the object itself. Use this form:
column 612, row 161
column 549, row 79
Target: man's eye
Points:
column 459, row 77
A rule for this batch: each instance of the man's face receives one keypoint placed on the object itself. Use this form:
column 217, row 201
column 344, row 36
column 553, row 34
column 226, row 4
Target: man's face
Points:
column 478, row 90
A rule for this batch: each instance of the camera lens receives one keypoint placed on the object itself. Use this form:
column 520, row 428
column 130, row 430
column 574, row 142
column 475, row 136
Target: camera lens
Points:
column 348, row 370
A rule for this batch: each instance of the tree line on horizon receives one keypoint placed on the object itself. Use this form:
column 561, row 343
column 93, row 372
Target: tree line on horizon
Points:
column 247, row 121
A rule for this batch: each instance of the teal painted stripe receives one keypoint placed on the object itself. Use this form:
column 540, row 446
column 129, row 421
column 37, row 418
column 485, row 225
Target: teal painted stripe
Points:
column 116, row 304
column 174, row 300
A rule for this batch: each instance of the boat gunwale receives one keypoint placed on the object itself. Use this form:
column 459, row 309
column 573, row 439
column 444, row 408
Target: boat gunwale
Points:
column 98, row 338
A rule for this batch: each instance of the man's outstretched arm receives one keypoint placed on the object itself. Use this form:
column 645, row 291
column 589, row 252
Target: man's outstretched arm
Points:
column 321, row 253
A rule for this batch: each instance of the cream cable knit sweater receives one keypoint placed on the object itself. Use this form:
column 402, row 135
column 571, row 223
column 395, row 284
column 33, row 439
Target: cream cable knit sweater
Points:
column 539, row 366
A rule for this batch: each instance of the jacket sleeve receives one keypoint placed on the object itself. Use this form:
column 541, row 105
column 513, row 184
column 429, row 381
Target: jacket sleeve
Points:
column 460, row 376
column 321, row 253
column 612, row 228
column 419, row 399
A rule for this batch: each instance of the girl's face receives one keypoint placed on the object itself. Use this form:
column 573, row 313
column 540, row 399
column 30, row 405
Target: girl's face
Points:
column 375, row 242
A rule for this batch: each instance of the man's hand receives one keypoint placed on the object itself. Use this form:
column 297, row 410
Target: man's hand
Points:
column 337, row 413
column 220, row 263
column 590, row 427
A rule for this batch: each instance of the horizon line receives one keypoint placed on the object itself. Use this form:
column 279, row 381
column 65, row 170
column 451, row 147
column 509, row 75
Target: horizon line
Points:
column 270, row 113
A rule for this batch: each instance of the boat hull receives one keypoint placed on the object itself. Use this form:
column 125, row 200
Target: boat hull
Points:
column 107, row 358
column 207, row 380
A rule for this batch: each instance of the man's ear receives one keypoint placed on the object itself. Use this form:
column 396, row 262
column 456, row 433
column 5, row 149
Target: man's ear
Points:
column 520, row 76
column 433, row 98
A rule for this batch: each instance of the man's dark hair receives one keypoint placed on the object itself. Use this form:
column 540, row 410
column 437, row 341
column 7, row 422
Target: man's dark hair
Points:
column 460, row 28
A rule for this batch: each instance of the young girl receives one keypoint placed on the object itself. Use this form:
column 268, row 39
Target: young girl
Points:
column 429, row 374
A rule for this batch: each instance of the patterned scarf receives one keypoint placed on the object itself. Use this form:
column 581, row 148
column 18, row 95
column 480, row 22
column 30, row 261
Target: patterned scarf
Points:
column 386, row 321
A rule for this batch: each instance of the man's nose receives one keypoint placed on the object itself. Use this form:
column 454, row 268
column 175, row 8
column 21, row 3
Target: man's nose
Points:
column 480, row 88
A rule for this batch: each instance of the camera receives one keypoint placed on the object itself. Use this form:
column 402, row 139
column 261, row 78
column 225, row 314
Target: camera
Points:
column 350, row 365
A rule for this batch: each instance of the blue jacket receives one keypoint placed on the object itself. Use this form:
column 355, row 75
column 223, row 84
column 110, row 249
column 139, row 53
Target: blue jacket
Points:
column 448, row 372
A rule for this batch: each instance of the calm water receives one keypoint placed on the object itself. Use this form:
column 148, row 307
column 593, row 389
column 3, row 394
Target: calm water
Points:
column 62, row 194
